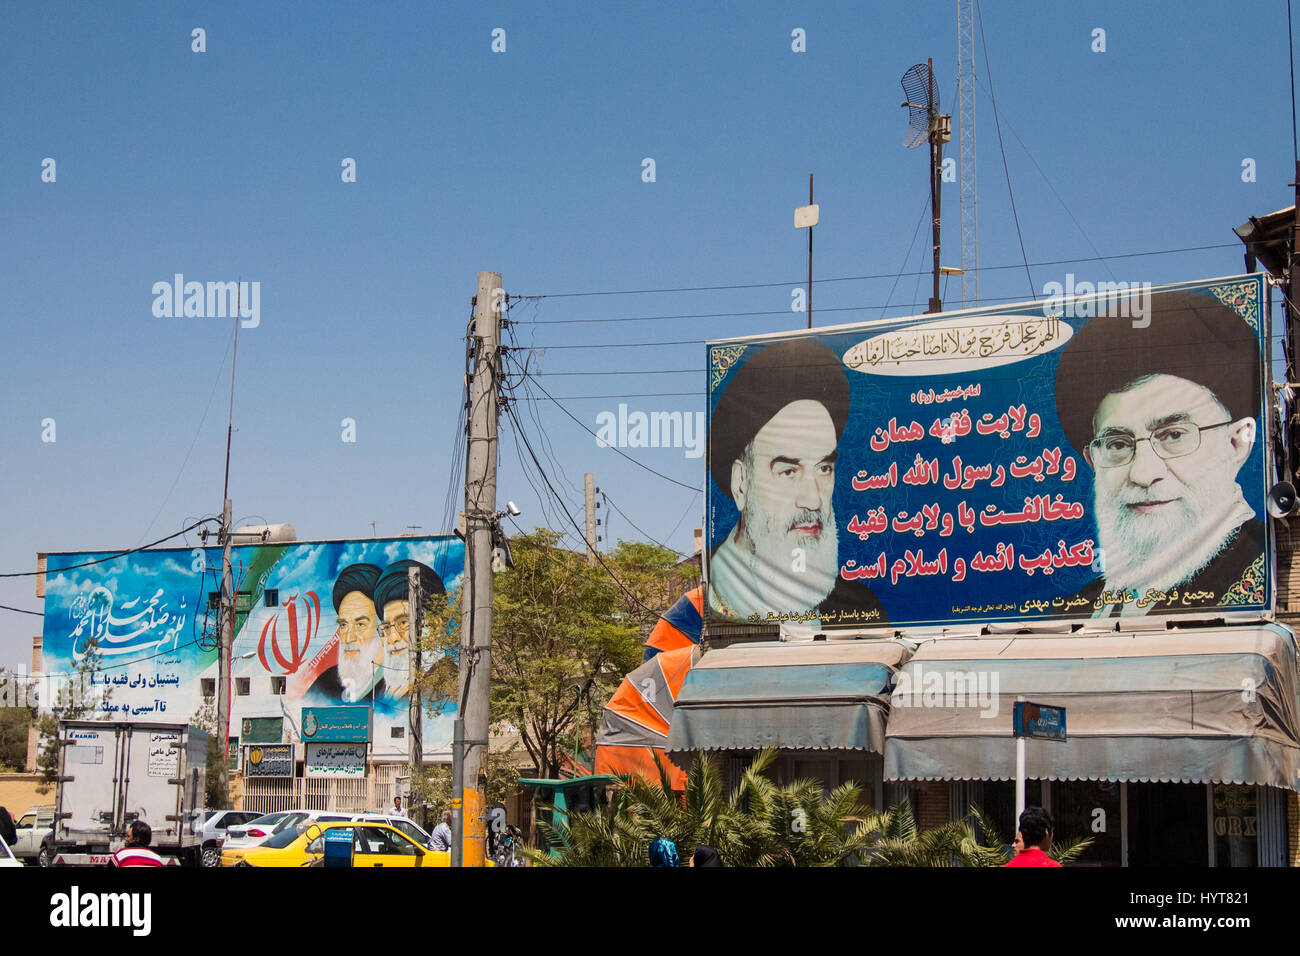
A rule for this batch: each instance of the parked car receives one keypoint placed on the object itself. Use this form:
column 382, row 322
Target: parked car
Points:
column 7, row 858
column 215, row 825
column 34, row 827
column 257, row 831
column 402, row 824
column 374, row 844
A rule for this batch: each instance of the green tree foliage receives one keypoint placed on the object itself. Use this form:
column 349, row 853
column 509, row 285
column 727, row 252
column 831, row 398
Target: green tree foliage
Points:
column 561, row 644
column 431, row 785
column 17, row 713
column 80, row 696
column 1063, row 852
column 763, row 823
column 216, row 796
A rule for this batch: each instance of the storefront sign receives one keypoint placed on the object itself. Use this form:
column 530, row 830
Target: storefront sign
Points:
column 164, row 753
column 262, row 730
column 336, row 724
column 269, row 760
column 336, row 761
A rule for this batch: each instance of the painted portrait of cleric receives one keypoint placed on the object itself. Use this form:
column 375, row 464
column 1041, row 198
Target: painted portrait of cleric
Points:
column 392, row 600
column 351, row 664
column 773, row 442
column 1166, row 415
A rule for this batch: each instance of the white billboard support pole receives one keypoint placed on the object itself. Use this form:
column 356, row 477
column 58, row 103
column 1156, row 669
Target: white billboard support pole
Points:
column 1020, row 776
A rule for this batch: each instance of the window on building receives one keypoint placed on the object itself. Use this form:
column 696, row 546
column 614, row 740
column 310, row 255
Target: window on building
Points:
column 397, row 733
column 278, row 685
column 241, row 686
column 208, row 686
column 271, row 597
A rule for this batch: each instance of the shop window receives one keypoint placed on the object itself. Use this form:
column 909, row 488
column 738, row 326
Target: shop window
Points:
column 1089, row 808
column 1235, row 822
column 1167, row 824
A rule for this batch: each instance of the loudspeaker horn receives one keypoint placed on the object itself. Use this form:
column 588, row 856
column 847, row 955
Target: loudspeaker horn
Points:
column 1282, row 500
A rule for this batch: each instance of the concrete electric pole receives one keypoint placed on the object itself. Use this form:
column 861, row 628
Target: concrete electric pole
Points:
column 416, row 627
column 589, row 488
column 470, row 741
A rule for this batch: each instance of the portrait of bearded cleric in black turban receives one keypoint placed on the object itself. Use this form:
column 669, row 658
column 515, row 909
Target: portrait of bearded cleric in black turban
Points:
column 1166, row 414
column 773, row 441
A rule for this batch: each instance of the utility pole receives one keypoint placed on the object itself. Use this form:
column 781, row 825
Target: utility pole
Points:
column 1291, row 430
column 227, row 638
column 470, row 734
column 415, row 602
column 589, row 488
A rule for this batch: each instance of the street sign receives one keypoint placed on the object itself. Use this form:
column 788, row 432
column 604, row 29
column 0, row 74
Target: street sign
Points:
column 1039, row 721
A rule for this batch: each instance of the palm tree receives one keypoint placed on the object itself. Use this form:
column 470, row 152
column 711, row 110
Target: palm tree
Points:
column 1063, row 852
column 896, row 840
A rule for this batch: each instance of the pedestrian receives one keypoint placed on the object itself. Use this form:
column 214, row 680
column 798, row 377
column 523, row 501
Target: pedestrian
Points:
column 706, row 856
column 8, row 829
column 1036, row 834
column 663, row 852
column 442, row 833
column 397, row 805
column 136, row 852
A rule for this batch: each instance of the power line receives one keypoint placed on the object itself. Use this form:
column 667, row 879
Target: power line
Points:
column 619, row 451
column 21, row 610
column 111, row 557
column 642, row 532
column 883, row 275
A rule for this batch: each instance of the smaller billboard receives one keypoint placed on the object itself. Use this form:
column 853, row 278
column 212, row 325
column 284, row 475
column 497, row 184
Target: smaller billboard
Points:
column 262, row 730
column 336, row 724
column 335, row 761
column 269, row 760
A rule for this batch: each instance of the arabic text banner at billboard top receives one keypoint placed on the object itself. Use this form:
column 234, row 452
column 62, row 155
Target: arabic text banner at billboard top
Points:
column 1099, row 456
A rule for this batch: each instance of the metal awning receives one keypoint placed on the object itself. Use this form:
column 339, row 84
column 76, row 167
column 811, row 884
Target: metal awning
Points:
column 823, row 695
column 1193, row 706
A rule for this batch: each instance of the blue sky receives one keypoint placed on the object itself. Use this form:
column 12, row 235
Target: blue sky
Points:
column 529, row 162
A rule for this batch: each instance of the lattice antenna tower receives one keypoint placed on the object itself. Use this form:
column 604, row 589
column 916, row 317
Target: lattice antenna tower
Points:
column 970, row 257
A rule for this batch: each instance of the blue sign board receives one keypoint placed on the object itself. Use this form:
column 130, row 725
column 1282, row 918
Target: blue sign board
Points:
column 338, row 846
column 336, row 724
column 1038, row 720
column 1084, row 456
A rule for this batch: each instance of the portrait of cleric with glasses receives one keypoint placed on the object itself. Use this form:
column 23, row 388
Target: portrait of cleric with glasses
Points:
column 1165, row 415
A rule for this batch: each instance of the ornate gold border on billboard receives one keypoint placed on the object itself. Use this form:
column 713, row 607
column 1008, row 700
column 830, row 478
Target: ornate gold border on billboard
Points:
column 721, row 359
column 1242, row 298
column 1250, row 590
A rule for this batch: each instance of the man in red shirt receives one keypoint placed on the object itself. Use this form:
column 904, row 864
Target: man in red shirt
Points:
column 1036, row 832
column 136, row 852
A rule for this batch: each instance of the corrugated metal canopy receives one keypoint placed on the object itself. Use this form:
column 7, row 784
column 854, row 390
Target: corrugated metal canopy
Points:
column 1195, row 706
column 813, row 696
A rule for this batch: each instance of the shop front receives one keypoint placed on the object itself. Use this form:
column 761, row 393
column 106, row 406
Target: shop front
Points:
column 822, row 705
column 1182, row 745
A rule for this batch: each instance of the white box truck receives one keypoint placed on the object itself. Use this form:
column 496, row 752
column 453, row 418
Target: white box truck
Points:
column 111, row 774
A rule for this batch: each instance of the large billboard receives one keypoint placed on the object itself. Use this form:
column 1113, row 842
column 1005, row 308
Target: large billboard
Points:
column 318, row 623
column 1087, row 457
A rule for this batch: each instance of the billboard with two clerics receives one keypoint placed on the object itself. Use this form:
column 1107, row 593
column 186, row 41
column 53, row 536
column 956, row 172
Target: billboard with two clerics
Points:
column 1092, row 457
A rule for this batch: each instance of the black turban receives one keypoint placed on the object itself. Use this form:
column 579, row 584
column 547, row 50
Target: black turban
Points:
column 1190, row 336
column 394, row 584
column 771, row 379
column 356, row 577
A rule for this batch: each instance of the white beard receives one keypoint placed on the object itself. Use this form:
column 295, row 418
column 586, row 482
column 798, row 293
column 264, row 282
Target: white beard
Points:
column 755, row 574
column 357, row 673
column 1164, row 550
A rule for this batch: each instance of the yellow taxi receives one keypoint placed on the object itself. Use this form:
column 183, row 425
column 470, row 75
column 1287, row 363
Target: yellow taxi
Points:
column 373, row 844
